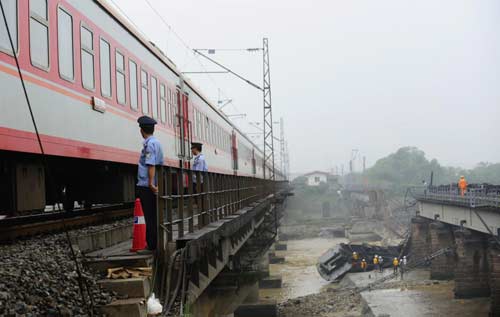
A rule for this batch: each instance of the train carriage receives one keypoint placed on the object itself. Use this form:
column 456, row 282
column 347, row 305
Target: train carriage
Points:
column 89, row 76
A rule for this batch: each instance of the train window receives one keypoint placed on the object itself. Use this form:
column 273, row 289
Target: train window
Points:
column 10, row 8
column 65, row 44
column 175, row 109
column 163, row 103
column 39, row 34
column 105, row 60
column 87, row 50
column 120, row 79
column 169, row 106
column 207, row 130
column 144, row 92
column 198, row 130
column 202, row 136
column 132, row 70
column 154, row 96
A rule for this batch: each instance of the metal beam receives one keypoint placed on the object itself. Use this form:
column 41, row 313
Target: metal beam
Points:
column 470, row 218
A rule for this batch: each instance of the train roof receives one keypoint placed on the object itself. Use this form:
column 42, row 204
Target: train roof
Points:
column 168, row 62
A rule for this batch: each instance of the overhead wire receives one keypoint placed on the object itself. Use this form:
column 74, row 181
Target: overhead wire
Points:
column 189, row 49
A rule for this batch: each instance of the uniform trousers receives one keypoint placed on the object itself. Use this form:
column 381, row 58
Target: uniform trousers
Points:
column 148, row 202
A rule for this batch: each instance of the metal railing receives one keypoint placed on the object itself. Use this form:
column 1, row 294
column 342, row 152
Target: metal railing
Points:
column 190, row 200
column 474, row 197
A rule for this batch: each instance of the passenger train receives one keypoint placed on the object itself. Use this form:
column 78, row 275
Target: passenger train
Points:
column 89, row 75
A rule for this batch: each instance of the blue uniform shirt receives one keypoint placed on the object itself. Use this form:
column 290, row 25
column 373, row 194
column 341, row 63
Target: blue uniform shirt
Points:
column 199, row 163
column 151, row 155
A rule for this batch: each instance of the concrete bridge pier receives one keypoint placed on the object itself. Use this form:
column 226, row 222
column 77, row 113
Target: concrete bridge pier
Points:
column 420, row 240
column 472, row 268
column 494, row 259
column 227, row 293
column 441, row 236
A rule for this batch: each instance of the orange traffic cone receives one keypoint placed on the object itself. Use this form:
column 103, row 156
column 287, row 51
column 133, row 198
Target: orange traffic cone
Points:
column 139, row 234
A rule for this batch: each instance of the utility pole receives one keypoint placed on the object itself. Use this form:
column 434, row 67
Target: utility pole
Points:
column 268, row 114
column 364, row 164
column 266, row 89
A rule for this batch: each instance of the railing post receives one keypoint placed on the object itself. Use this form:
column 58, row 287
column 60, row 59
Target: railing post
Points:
column 160, row 212
column 204, row 198
column 190, row 202
column 226, row 187
column 169, row 185
column 199, row 199
column 161, row 201
column 180, row 203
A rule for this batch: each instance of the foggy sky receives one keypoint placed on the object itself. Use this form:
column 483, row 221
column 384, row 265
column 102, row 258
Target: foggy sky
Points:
column 370, row 75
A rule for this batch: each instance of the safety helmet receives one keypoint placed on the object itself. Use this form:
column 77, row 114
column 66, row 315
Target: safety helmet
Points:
column 404, row 257
column 462, row 176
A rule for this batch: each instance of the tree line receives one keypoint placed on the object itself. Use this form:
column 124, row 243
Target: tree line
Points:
column 408, row 166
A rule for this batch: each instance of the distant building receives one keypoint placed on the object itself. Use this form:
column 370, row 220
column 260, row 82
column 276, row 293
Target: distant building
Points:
column 315, row 178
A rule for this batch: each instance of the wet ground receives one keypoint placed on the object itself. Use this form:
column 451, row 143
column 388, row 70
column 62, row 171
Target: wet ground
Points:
column 299, row 274
column 305, row 293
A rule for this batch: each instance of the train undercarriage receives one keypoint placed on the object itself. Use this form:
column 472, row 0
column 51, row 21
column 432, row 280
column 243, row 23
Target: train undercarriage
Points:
column 29, row 184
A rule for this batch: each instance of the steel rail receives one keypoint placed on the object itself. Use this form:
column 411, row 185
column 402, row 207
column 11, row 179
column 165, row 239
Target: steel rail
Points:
column 23, row 227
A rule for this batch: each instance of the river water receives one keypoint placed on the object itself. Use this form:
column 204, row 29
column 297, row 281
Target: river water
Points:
column 299, row 274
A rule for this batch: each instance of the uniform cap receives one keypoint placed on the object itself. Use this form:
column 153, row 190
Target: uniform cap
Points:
column 146, row 121
column 196, row 145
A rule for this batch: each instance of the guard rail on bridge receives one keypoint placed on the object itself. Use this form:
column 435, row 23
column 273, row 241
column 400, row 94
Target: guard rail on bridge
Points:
column 476, row 196
column 204, row 220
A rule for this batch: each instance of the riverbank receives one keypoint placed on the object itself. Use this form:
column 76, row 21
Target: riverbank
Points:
column 415, row 296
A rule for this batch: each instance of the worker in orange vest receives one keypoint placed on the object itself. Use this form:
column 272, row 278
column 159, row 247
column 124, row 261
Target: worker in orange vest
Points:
column 364, row 265
column 462, row 185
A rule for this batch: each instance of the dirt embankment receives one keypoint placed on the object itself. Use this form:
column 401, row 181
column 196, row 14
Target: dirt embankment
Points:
column 329, row 303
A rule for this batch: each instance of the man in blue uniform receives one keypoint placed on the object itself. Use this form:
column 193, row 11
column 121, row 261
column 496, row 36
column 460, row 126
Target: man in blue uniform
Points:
column 151, row 155
column 199, row 163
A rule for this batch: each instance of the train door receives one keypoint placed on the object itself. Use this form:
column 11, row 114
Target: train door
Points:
column 234, row 151
column 183, row 130
column 184, row 135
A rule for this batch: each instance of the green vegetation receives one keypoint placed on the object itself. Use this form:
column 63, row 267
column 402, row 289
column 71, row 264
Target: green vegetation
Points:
column 408, row 166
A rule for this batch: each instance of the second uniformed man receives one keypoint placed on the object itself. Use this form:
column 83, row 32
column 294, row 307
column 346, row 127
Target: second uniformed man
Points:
column 199, row 163
column 151, row 156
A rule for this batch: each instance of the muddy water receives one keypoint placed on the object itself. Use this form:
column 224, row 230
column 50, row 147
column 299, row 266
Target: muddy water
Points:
column 299, row 274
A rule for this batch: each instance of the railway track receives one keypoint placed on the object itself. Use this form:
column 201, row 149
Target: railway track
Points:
column 52, row 222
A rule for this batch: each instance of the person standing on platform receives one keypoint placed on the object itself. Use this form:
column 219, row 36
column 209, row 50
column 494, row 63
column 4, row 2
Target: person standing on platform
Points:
column 375, row 263
column 147, row 190
column 462, row 185
column 381, row 263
